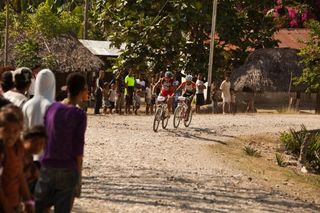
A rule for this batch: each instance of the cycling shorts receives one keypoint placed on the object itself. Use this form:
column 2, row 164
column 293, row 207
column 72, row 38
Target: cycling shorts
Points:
column 166, row 93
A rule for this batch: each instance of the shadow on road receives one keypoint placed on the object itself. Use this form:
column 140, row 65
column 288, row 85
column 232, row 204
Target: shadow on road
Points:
column 209, row 193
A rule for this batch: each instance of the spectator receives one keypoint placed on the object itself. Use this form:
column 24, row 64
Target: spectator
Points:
column 99, row 92
column 199, row 94
column 120, row 94
column 7, row 81
column 129, row 84
column 35, row 109
column 112, row 97
column 62, row 159
column 226, row 96
column 148, row 99
column 233, row 104
column 136, row 100
column 35, row 71
column 22, row 81
column 105, row 98
column 14, row 185
column 34, row 140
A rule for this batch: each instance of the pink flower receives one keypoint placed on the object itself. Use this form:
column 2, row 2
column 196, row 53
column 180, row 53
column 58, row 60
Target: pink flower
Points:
column 292, row 12
column 305, row 16
column 278, row 2
column 294, row 23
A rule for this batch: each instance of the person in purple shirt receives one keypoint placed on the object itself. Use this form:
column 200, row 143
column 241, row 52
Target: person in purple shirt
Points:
column 62, row 158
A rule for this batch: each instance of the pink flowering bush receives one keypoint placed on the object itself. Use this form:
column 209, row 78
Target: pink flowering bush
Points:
column 294, row 14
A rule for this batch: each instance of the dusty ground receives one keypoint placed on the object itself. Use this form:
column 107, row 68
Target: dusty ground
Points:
column 129, row 168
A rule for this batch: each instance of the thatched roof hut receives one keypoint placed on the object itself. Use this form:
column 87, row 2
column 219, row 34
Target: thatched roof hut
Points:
column 68, row 53
column 269, row 70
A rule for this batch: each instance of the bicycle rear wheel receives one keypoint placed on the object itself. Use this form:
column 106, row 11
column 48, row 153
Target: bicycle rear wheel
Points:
column 156, row 120
column 177, row 117
column 188, row 122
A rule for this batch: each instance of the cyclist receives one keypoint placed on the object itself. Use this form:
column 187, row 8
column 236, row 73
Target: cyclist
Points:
column 167, row 88
column 188, row 91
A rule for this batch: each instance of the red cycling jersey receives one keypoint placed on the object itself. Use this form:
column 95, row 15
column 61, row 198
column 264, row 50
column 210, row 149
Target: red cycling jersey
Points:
column 167, row 87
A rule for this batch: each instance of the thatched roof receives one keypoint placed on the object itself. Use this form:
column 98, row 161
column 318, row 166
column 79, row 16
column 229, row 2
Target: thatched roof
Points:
column 68, row 53
column 269, row 70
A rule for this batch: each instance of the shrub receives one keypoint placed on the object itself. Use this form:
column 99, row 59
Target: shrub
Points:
column 293, row 141
column 280, row 160
column 251, row 151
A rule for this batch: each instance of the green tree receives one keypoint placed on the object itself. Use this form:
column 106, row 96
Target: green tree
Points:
column 173, row 35
column 311, row 61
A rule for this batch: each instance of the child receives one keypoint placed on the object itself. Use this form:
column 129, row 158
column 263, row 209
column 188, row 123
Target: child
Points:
column 233, row 106
column 14, row 185
column 34, row 141
column 2, row 199
column 136, row 101
column 154, row 97
column 105, row 99
column 148, row 99
column 112, row 97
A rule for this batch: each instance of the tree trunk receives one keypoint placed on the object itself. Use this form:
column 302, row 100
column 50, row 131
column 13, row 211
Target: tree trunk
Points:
column 318, row 103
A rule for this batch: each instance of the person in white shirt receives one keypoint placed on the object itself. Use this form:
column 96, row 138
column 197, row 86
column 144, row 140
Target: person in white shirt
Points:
column 112, row 97
column 148, row 98
column 22, row 80
column 226, row 96
column 199, row 93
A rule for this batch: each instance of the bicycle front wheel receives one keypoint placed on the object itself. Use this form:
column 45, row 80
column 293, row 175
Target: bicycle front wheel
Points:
column 156, row 120
column 177, row 117
column 165, row 121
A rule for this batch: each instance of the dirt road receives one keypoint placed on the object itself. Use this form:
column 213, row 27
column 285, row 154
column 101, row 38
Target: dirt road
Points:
column 129, row 168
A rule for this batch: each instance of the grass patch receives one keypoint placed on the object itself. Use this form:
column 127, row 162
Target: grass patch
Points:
column 266, row 169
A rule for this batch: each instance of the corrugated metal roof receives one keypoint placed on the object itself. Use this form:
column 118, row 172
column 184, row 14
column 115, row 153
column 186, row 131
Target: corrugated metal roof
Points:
column 101, row 48
column 292, row 38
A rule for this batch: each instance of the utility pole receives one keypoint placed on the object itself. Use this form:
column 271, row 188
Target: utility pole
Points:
column 213, row 29
column 6, row 38
column 85, row 19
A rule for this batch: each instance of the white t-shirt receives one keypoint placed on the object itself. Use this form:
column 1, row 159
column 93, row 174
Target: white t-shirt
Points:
column 113, row 95
column 15, row 98
column 199, row 84
column 149, row 93
column 225, row 88
column 141, row 82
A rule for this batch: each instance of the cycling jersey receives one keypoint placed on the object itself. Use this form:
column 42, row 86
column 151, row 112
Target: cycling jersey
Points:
column 188, row 89
column 167, row 87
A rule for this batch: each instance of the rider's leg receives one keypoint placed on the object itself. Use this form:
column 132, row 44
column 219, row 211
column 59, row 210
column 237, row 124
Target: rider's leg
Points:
column 188, row 110
column 170, row 102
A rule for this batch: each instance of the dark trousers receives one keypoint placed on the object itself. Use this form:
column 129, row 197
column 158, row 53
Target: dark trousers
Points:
column 56, row 187
column 98, row 103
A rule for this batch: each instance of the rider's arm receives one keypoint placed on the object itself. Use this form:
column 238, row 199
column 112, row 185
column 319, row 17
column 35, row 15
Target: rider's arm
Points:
column 179, row 88
column 155, row 86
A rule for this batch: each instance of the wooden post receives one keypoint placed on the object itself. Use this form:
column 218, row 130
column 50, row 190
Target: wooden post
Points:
column 213, row 29
column 85, row 19
column 6, row 38
column 318, row 103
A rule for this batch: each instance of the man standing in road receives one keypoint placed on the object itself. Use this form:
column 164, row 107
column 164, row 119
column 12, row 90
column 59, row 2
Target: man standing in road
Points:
column 130, row 83
column 226, row 96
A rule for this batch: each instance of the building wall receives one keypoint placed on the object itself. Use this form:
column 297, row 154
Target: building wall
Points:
column 277, row 100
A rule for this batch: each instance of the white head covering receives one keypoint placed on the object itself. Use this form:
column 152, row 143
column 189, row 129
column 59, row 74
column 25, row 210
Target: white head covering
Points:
column 45, row 90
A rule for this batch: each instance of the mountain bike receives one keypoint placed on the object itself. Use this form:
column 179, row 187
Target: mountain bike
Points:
column 161, row 114
column 181, row 113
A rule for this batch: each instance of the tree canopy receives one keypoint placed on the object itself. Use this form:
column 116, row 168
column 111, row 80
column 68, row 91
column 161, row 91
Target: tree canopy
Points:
column 166, row 34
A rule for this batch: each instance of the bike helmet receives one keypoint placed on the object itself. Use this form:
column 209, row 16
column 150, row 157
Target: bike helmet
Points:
column 168, row 74
column 189, row 78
